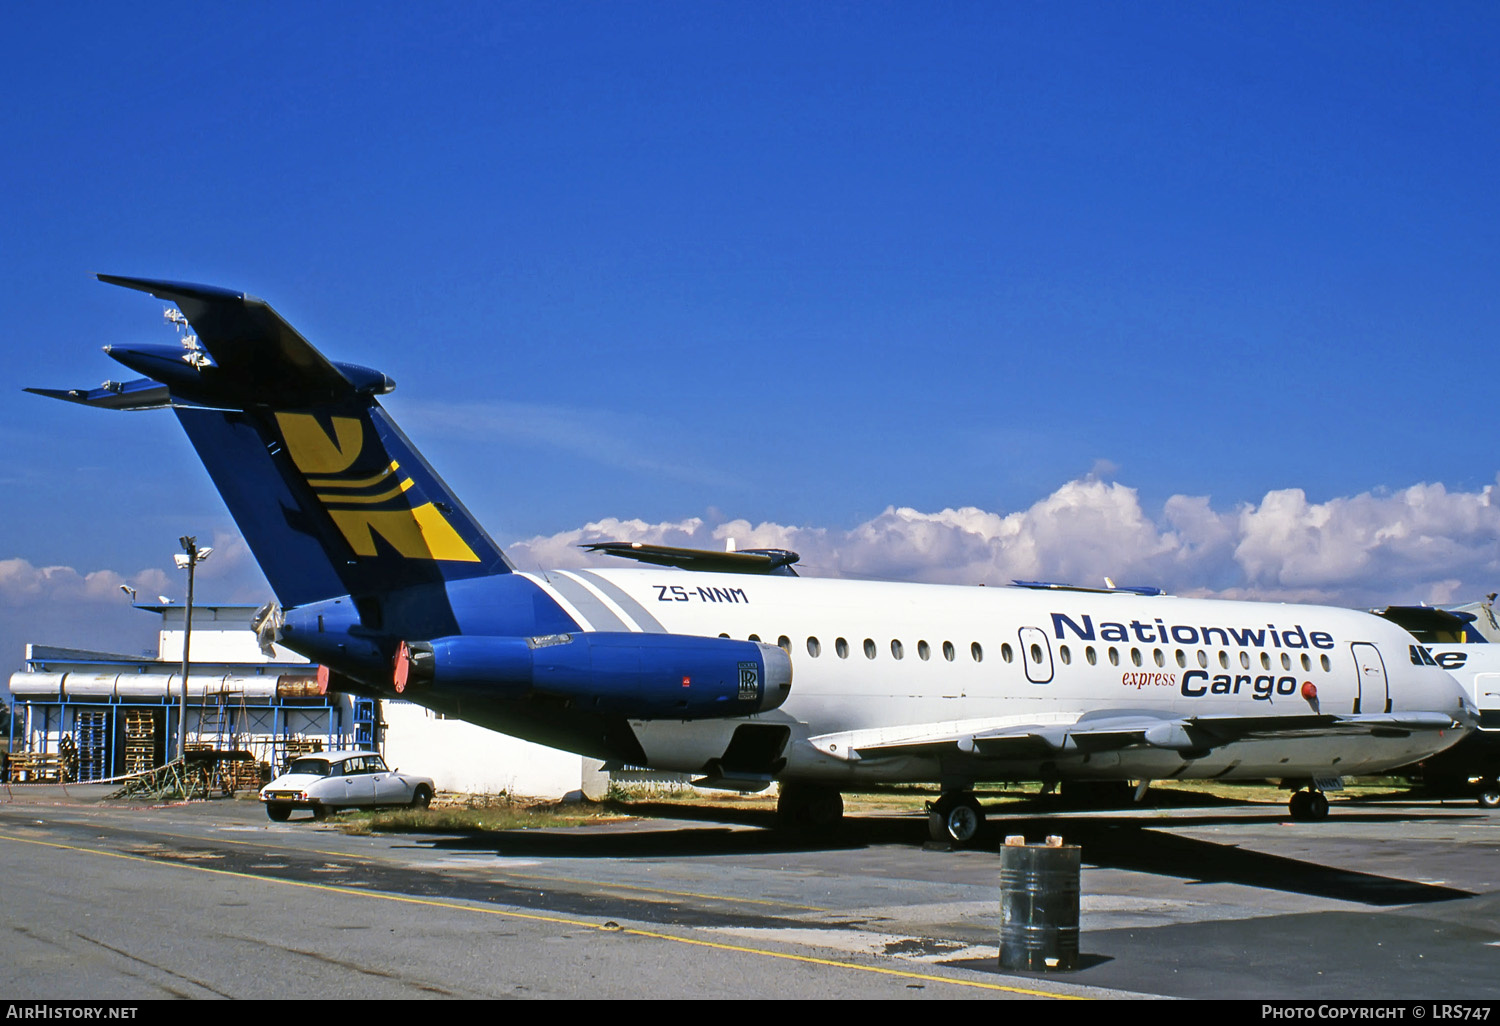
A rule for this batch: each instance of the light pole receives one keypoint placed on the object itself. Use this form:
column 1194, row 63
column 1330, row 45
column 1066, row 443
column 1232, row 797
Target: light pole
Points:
column 188, row 559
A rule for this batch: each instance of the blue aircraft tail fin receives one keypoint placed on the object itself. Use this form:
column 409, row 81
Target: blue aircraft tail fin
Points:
column 331, row 496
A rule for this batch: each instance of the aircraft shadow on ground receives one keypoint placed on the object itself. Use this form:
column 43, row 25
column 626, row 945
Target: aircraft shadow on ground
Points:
column 1108, row 840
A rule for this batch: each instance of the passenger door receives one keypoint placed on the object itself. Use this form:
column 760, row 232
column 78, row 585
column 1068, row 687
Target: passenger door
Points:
column 1036, row 655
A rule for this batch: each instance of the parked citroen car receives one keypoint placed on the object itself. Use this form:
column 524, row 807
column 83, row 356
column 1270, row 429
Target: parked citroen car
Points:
column 324, row 782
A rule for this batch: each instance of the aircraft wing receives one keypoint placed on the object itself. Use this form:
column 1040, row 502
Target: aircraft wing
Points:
column 1193, row 736
column 743, row 561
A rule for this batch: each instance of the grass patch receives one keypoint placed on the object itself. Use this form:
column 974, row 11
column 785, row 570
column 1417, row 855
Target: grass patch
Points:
column 465, row 814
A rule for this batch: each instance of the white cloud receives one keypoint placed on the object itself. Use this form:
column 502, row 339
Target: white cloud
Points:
column 1423, row 543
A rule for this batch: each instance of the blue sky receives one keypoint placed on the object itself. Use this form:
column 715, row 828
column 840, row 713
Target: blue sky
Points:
column 801, row 265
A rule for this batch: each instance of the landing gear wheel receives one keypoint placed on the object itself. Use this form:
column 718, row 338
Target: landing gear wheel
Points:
column 1309, row 805
column 955, row 818
column 809, row 808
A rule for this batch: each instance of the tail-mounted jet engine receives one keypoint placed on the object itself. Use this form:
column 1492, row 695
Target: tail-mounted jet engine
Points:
column 639, row 676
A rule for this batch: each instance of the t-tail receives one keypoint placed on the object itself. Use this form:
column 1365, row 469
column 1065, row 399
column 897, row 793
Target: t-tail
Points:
column 331, row 497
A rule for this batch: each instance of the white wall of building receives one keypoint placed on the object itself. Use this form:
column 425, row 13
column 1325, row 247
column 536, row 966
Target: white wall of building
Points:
column 221, row 634
column 466, row 758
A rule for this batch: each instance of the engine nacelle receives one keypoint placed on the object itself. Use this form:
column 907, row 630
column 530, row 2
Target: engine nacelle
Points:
column 639, row 676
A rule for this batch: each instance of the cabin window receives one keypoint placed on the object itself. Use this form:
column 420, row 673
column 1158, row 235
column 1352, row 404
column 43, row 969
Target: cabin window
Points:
column 785, row 644
column 1156, row 654
column 722, row 635
column 755, row 637
column 897, row 651
column 1245, row 660
column 1088, row 654
column 1265, row 660
column 869, row 648
column 841, row 647
column 948, row 651
column 1326, row 664
column 1203, row 658
column 1064, row 654
column 924, row 650
column 1307, row 662
column 1006, row 653
column 1114, row 656
column 1181, row 657
column 1135, row 656
column 1036, row 654
column 976, row 652
column 1223, row 659
column 814, row 647
column 1286, row 661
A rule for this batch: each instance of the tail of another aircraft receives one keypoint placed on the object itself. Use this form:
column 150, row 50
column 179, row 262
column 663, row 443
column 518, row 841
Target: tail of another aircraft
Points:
column 331, row 497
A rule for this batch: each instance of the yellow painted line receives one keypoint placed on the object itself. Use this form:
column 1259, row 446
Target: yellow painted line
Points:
column 534, row 877
column 557, row 920
column 672, row 894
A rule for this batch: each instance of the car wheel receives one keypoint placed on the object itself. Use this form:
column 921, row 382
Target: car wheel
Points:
column 279, row 813
column 320, row 811
column 421, row 797
column 1489, row 797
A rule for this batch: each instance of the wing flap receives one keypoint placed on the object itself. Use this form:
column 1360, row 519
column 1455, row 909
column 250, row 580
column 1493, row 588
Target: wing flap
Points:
column 1099, row 731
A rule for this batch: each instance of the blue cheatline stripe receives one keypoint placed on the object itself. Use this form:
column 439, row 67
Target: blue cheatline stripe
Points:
column 649, row 623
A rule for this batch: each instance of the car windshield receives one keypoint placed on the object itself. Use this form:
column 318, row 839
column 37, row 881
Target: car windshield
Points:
column 310, row 767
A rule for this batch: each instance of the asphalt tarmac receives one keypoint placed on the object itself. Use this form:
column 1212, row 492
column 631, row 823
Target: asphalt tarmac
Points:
column 131, row 901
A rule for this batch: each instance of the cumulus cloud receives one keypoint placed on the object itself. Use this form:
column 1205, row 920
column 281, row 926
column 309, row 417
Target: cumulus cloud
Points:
column 1421, row 544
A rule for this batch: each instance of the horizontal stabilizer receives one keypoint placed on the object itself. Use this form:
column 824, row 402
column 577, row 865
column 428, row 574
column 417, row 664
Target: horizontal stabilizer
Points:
column 140, row 394
column 257, row 358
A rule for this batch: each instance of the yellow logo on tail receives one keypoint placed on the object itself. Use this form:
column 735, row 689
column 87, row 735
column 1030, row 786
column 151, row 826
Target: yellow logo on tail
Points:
column 364, row 504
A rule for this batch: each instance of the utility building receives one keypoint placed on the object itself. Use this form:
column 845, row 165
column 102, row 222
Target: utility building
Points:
column 84, row 715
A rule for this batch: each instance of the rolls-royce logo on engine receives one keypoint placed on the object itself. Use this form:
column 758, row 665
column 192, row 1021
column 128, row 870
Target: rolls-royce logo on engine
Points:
column 749, row 682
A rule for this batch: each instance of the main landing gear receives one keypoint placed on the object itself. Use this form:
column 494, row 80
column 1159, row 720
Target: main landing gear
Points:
column 956, row 817
column 809, row 808
column 1309, row 804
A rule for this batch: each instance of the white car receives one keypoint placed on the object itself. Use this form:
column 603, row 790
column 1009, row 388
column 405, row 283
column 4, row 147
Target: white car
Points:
column 323, row 782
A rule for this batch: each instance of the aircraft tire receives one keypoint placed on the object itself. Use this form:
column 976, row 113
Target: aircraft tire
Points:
column 809, row 808
column 955, row 818
column 1309, row 805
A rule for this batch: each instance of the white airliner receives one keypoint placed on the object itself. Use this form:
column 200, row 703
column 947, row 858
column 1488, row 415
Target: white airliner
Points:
column 728, row 665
